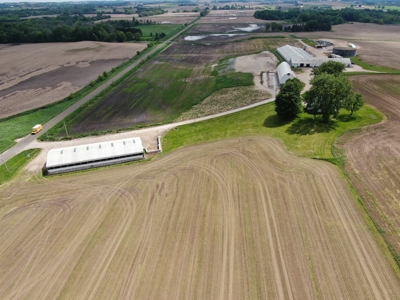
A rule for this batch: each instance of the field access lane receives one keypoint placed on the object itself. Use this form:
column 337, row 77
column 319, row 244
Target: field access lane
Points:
column 25, row 142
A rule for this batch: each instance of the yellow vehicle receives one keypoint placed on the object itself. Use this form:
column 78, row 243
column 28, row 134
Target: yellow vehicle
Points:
column 37, row 128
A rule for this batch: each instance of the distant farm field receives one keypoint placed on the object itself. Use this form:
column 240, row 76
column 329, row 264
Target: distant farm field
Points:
column 33, row 75
column 237, row 219
column 153, row 29
column 180, row 77
column 230, row 17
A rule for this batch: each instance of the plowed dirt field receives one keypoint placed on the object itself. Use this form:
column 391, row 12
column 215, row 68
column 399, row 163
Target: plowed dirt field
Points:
column 33, row 75
column 373, row 155
column 235, row 219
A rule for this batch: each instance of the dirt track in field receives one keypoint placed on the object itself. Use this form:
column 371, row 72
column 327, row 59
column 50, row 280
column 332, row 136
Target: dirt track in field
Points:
column 33, row 75
column 373, row 155
column 236, row 219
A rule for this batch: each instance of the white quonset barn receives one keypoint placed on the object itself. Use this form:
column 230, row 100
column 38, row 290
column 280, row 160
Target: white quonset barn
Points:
column 93, row 155
column 297, row 57
column 284, row 73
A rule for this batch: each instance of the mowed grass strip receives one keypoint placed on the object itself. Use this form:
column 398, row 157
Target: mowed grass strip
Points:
column 153, row 29
column 370, row 67
column 13, row 128
column 10, row 169
column 154, row 96
column 304, row 136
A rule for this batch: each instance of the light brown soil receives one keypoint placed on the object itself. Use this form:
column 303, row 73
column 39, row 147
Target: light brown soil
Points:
column 236, row 219
column 373, row 155
column 357, row 31
column 32, row 75
column 380, row 53
column 230, row 17
column 173, row 18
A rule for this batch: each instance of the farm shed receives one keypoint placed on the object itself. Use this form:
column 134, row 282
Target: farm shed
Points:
column 344, row 51
column 316, row 62
column 289, row 52
column 284, row 72
column 297, row 57
column 88, row 156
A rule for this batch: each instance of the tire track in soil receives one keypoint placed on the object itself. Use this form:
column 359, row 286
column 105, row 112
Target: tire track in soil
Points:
column 235, row 219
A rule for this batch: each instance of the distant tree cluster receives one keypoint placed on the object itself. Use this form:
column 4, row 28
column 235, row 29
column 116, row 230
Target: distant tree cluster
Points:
column 143, row 11
column 330, row 17
column 230, row 7
column 204, row 12
column 66, row 28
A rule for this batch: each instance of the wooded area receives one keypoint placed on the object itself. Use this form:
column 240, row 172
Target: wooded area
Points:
column 321, row 20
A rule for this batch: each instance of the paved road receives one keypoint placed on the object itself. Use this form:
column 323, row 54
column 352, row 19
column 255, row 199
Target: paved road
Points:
column 23, row 143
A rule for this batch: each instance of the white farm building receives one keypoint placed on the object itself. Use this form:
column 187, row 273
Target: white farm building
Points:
column 284, row 72
column 297, row 57
column 88, row 156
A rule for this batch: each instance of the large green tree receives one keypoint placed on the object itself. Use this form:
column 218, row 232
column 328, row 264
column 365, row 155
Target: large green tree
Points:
column 328, row 94
column 354, row 103
column 288, row 101
column 330, row 67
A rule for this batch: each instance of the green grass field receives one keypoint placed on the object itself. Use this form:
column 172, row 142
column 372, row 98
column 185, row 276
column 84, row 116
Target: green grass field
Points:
column 303, row 136
column 14, row 165
column 166, row 28
column 367, row 66
column 20, row 126
column 157, row 94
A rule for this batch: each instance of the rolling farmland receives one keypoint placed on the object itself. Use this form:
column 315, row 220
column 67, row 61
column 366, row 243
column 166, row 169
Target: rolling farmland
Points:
column 373, row 156
column 168, row 85
column 256, row 222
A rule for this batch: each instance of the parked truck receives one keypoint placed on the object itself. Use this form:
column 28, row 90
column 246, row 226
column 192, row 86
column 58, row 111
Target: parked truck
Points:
column 36, row 128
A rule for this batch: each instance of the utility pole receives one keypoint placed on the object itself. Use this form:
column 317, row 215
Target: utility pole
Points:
column 65, row 127
column 4, row 163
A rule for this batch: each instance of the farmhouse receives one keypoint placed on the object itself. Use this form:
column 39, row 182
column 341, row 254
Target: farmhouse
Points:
column 284, row 73
column 297, row 57
column 88, row 156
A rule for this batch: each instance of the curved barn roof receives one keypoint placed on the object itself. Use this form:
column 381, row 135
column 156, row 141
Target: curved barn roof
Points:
column 284, row 71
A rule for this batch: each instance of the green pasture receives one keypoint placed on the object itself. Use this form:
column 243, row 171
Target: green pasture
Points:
column 11, row 169
column 158, row 28
column 21, row 125
column 391, row 7
column 304, row 136
column 161, row 92
column 367, row 66
column 309, row 42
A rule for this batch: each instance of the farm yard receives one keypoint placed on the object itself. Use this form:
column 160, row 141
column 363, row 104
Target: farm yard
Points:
column 33, row 75
column 170, row 84
column 373, row 155
column 137, row 231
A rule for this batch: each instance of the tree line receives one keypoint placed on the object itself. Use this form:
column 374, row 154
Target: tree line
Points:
column 67, row 28
column 330, row 92
column 331, row 17
column 309, row 26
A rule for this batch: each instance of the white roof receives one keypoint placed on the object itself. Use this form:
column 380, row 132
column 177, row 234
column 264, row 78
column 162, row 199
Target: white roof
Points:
column 345, row 61
column 37, row 126
column 289, row 52
column 284, row 69
column 92, row 152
